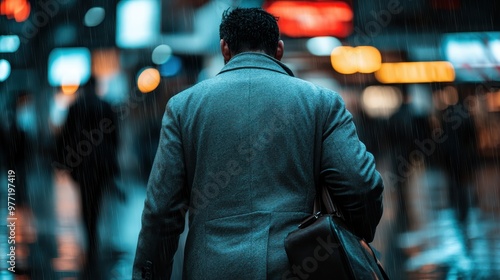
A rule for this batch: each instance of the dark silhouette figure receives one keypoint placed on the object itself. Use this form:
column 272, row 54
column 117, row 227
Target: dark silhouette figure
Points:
column 13, row 146
column 460, row 157
column 405, row 129
column 87, row 148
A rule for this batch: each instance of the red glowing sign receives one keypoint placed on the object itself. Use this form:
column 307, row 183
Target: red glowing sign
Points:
column 16, row 9
column 311, row 19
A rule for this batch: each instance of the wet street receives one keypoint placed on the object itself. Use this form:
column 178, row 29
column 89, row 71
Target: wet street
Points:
column 50, row 244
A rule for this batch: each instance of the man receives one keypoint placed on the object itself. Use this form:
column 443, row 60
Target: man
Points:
column 243, row 152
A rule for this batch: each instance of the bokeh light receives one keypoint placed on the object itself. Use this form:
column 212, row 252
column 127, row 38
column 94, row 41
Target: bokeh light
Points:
column 323, row 45
column 171, row 67
column 4, row 70
column 443, row 98
column 69, row 66
column 312, row 18
column 148, row 80
column 105, row 62
column 493, row 99
column 161, row 54
column 362, row 59
column 69, row 88
column 94, row 16
column 416, row 72
column 137, row 23
column 381, row 101
column 9, row 43
column 19, row 10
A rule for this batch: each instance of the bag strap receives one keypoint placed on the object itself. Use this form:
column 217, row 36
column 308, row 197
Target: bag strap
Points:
column 317, row 204
column 319, row 201
column 324, row 200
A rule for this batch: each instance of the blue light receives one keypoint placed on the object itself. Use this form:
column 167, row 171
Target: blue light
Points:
column 9, row 43
column 137, row 23
column 4, row 70
column 474, row 55
column 161, row 54
column 495, row 49
column 171, row 68
column 474, row 49
column 70, row 66
column 322, row 46
column 94, row 16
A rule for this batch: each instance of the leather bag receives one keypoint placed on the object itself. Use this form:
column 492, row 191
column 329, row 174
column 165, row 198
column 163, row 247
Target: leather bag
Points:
column 323, row 247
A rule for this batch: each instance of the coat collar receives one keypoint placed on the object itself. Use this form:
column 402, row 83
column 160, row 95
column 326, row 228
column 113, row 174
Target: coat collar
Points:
column 256, row 60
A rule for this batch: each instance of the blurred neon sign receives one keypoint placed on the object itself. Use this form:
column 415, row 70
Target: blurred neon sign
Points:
column 9, row 43
column 19, row 10
column 69, row 66
column 137, row 23
column 362, row 59
column 311, row 19
column 475, row 55
column 415, row 72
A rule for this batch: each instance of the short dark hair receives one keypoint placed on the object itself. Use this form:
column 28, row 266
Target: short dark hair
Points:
column 250, row 29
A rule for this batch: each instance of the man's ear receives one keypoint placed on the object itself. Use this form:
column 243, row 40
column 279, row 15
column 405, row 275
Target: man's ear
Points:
column 224, row 49
column 280, row 50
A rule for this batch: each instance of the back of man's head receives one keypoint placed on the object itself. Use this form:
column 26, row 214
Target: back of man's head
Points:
column 249, row 29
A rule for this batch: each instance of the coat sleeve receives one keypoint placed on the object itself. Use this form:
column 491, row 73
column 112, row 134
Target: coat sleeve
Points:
column 166, row 197
column 348, row 170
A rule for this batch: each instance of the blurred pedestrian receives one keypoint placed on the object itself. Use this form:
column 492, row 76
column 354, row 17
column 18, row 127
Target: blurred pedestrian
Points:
column 87, row 148
column 14, row 142
column 406, row 129
column 460, row 157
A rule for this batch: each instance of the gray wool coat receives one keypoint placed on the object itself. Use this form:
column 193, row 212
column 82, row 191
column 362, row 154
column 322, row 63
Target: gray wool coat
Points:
column 243, row 152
